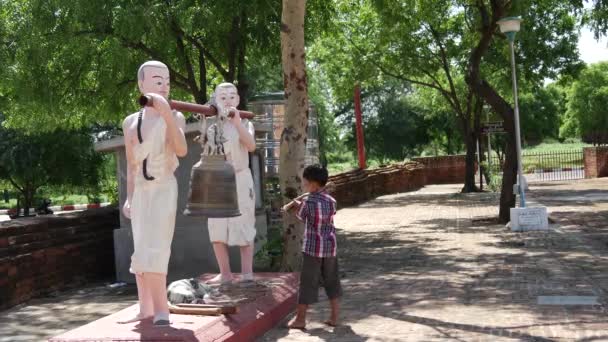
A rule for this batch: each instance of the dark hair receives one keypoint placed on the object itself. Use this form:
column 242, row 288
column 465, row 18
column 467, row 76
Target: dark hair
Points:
column 316, row 173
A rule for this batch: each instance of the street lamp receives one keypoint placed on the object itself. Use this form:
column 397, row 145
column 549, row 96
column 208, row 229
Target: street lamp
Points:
column 510, row 26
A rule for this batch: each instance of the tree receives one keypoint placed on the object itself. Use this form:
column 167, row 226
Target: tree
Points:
column 587, row 105
column 549, row 21
column 446, row 46
column 441, row 124
column 542, row 115
column 293, row 138
column 74, row 62
column 60, row 157
column 395, row 125
column 597, row 16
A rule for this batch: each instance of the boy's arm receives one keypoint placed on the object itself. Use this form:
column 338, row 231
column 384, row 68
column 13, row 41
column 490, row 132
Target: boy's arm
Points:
column 302, row 212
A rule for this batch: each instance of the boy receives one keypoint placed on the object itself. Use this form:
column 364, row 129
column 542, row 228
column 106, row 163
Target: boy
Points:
column 317, row 210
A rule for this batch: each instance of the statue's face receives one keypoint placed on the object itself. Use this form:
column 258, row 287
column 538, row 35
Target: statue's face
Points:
column 227, row 97
column 156, row 80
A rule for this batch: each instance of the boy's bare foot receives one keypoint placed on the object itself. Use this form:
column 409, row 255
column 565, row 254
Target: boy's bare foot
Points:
column 331, row 322
column 295, row 323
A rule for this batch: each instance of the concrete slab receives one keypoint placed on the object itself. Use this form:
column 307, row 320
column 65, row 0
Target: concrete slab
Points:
column 567, row 300
column 530, row 218
column 257, row 314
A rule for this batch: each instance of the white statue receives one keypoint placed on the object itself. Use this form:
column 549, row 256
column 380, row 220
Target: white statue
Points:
column 154, row 138
column 238, row 140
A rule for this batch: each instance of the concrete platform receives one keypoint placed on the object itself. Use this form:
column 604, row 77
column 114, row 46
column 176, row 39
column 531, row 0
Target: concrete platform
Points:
column 261, row 307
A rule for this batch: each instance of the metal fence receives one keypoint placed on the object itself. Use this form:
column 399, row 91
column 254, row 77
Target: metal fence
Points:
column 549, row 165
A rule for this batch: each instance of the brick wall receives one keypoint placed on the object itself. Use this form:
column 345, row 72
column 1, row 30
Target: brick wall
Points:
column 40, row 255
column 596, row 161
column 358, row 186
column 444, row 170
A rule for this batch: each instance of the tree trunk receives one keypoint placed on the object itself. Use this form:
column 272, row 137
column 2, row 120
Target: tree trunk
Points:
column 201, row 97
column 28, row 199
column 500, row 106
column 469, row 178
column 509, row 178
column 241, row 76
column 293, row 138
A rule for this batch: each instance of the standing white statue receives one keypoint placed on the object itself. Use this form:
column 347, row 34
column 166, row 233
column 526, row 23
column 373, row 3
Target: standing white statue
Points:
column 154, row 138
column 238, row 141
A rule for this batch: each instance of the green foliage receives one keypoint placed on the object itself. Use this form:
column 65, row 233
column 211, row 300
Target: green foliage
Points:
column 30, row 161
column 441, row 124
column 396, row 132
column 551, row 145
column 586, row 116
column 425, row 46
column 597, row 17
column 540, row 115
column 74, row 62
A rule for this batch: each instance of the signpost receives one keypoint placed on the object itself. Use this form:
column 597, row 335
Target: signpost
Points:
column 493, row 127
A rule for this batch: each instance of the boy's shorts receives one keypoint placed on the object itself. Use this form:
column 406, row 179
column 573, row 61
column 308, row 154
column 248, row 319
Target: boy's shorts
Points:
column 315, row 270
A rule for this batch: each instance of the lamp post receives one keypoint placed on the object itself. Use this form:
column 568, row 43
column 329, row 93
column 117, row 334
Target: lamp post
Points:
column 510, row 26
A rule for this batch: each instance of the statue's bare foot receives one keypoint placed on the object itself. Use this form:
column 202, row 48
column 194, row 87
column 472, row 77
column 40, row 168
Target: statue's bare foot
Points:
column 246, row 277
column 220, row 279
column 296, row 323
column 136, row 318
column 161, row 320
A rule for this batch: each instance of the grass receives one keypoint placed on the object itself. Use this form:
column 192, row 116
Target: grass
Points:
column 551, row 160
column 551, row 155
column 56, row 200
column 554, row 146
column 559, row 156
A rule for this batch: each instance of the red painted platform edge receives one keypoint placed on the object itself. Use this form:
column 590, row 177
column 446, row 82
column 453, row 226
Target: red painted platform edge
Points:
column 255, row 320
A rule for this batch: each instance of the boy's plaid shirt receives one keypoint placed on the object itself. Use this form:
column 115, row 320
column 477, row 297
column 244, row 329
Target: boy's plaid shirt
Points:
column 318, row 211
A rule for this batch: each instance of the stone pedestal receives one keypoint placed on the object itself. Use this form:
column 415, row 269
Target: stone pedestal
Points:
column 526, row 219
column 191, row 251
column 265, row 304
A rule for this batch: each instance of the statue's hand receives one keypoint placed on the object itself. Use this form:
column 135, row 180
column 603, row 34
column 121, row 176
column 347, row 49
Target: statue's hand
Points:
column 236, row 116
column 126, row 209
column 160, row 104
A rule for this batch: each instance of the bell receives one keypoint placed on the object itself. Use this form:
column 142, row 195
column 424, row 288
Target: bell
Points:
column 212, row 189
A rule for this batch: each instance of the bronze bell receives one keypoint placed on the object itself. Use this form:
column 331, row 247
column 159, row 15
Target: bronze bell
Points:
column 212, row 189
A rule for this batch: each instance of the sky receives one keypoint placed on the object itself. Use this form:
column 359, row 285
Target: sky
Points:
column 591, row 50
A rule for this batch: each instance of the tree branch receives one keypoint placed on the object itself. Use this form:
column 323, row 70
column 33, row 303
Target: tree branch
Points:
column 181, row 51
column 154, row 54
column 177, row 78
column 207, row 55
column 234, row 42
column 10, row 179
column 446, row 66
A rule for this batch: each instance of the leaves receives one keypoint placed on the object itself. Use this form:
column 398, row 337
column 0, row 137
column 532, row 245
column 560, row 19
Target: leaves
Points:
column 587, row 102
column 73, row 63
column 30, row 161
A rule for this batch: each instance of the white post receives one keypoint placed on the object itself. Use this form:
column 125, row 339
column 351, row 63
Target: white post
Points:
column 489, row 144
column 520, row 170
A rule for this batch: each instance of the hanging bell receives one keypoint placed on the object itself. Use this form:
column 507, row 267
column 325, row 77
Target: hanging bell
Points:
column 212, row 189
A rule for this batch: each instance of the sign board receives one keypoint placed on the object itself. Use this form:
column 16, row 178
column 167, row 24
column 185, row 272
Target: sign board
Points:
column 493, row 127
column 524, row 219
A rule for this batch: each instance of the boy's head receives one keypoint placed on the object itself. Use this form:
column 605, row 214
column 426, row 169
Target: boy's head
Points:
column 315, row 177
